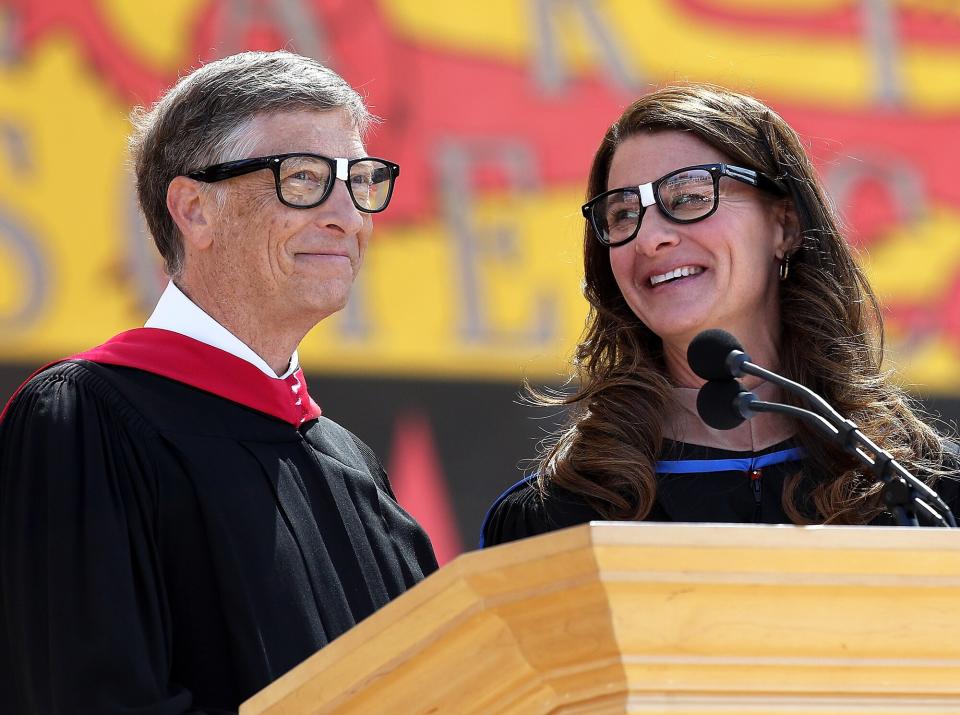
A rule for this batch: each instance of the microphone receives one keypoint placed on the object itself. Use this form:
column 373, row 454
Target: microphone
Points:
column 724, row 404
column 720, row 403
column 715, row 354
column 718, row 357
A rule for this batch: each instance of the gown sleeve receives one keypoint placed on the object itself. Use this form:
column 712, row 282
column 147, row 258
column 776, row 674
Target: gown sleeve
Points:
column 83, row 623
column 516, row 514
column 522, row 511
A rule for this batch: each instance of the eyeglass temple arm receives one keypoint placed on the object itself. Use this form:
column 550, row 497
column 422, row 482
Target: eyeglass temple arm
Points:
column 756, row 178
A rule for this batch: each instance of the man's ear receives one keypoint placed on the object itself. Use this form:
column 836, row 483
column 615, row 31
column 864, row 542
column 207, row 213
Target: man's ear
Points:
column 790, row 229
column 192, row 209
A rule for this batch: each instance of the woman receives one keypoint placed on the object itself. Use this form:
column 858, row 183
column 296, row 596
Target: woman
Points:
column 705, row 212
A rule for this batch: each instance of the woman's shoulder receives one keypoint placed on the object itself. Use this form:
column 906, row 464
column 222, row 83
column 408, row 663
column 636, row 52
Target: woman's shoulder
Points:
column 947, row 485
column 951, row 451
column 524, row 510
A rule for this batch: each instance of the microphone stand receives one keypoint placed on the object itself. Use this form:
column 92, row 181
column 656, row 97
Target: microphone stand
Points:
column 902, row 491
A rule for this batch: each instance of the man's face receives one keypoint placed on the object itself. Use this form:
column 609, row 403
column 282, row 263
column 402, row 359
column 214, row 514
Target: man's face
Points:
column 286, row 265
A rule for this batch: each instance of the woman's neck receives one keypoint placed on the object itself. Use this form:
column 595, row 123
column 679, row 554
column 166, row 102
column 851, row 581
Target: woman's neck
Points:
column 682, row 423
column 761, row 346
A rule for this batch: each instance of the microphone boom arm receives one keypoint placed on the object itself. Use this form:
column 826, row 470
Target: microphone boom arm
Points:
column 887, row 469
column 718, row 357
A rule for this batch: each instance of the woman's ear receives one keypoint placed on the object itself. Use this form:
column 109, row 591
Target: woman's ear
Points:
column 789, row 240
column 192, row 209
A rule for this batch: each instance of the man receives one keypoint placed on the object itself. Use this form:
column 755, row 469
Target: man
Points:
column 178, row 524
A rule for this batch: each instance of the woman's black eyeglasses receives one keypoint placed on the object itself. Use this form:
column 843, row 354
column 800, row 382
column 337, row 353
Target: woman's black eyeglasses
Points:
column 686, row 195
column 306, row 180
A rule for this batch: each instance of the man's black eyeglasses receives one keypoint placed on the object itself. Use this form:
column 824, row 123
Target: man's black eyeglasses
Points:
column 306, row 180
column 686, row 195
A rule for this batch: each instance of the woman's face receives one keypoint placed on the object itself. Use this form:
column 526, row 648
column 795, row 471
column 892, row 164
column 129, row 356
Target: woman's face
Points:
column 731, row 257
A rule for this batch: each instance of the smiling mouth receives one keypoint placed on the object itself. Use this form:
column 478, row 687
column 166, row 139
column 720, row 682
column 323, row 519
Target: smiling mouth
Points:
column 675, row 274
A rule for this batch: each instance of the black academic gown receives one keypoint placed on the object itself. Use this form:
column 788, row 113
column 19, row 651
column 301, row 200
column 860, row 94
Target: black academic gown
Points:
column 695, row 484
column 164, row 549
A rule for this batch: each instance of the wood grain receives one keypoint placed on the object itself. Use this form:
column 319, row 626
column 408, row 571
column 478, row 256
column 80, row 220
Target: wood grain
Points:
column 647, row 618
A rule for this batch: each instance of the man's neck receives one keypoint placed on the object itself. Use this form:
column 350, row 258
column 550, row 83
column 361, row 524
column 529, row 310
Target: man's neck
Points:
column 273, row 344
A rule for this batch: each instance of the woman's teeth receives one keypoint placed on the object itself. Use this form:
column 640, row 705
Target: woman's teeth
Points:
column 681, row 272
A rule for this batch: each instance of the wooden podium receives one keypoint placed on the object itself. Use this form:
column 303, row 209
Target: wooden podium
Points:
column 652, row 618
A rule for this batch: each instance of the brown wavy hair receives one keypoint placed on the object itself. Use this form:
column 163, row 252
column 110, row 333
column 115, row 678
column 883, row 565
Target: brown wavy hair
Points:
column 831, row 337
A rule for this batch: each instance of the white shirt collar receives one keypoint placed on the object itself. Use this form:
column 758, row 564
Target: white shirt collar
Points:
column 177, row 313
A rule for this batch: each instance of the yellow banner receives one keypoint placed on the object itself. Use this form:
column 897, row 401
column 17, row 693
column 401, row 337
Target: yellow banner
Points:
column 476, row 270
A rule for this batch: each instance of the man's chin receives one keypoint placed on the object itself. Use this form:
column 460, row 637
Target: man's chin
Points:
column 324, row 305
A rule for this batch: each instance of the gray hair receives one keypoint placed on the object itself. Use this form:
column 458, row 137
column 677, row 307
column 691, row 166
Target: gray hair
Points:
column 202, row 120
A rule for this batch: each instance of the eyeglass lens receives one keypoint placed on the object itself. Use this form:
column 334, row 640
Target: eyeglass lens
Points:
column 685, row 196
column 304, row 180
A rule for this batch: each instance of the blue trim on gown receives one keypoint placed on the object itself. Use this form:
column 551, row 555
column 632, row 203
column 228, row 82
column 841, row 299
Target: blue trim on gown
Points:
column 745, row 464
column 680, row 466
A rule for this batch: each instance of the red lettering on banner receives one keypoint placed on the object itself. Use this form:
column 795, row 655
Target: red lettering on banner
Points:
column 114, row 61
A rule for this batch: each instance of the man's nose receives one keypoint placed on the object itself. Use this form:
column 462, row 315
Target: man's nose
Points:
column 339, row 210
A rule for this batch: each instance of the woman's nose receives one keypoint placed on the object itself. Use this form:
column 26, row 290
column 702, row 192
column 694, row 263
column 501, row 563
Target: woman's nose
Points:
column 656, row 232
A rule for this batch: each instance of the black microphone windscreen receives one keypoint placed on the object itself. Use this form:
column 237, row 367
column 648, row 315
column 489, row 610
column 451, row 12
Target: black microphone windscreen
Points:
column 715, row 403
column 708, row 352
